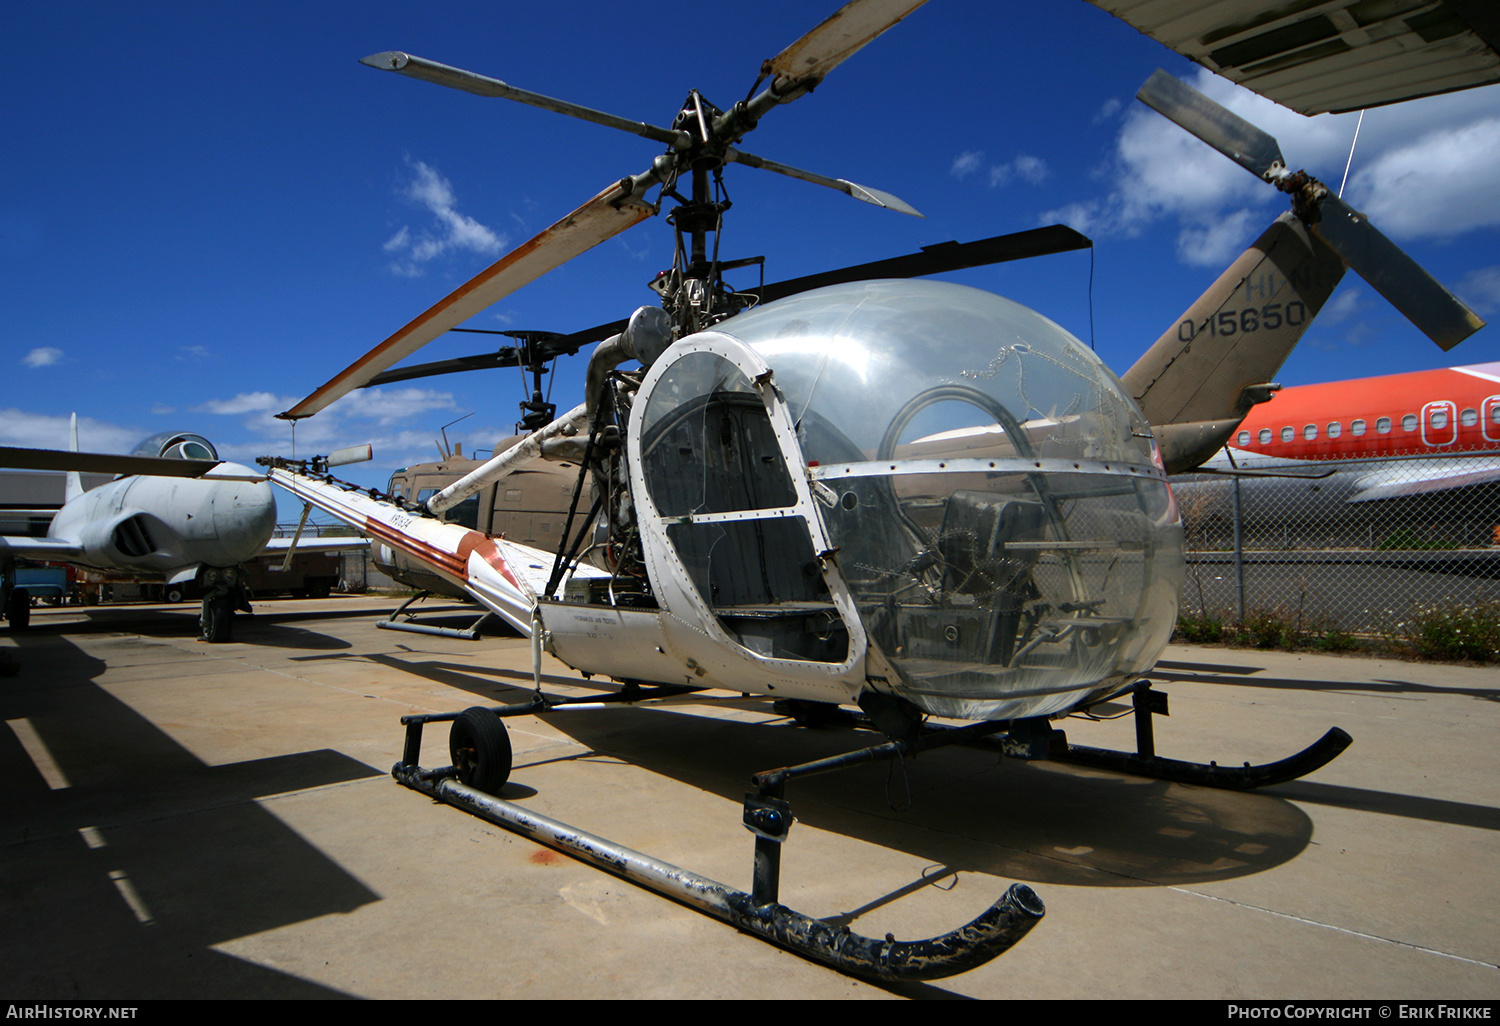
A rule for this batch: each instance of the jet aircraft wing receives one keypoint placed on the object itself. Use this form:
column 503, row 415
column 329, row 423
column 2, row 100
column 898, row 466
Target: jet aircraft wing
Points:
column 102, row 463
column 1334, row 56
column 15, row 547
column 1428, row 478
column 345, row 543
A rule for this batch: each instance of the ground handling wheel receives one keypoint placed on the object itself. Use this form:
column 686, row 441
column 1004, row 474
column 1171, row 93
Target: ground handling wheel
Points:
column 480, row 747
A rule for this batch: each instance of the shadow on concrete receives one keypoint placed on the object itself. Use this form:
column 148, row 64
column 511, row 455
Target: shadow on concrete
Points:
column 961, row 808
column 1386, row 688
column 125, row 858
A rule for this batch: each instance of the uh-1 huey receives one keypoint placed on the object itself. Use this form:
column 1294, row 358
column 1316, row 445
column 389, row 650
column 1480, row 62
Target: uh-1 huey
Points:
column 910, row 497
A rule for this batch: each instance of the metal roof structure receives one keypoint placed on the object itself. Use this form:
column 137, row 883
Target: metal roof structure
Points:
column 1317, row 56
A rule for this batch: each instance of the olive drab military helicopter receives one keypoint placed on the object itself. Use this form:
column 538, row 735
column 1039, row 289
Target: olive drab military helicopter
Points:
column 911, row 497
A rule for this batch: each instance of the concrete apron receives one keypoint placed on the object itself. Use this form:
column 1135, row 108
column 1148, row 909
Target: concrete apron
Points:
column 192, row 820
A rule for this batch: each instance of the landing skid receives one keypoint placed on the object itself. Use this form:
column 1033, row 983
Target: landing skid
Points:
column 480, row 748
column 1144, row 762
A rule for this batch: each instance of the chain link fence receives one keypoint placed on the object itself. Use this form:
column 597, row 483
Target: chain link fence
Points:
column 1358, row 546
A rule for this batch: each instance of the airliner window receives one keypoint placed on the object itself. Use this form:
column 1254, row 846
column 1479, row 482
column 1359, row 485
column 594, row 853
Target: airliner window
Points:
column 1310, row 432
column 1287, row 434
column 1244, row 438
column 1439, row 419
column 1265, row 436
column 1357, row 429
column 1469, row 418
column 1409, row 422
column 1383, row 425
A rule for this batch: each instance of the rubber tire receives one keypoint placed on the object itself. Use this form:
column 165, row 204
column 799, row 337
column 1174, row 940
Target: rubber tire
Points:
column 480, row 748
column 18, row 610
column 218, row 621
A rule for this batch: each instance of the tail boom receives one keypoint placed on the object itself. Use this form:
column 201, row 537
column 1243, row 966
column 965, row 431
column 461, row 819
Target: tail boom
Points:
column 1199, row 380
column 502, row 576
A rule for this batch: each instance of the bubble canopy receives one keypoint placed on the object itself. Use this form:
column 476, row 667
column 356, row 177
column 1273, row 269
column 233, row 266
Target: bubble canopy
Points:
column 1003, row 533
column 854, row 354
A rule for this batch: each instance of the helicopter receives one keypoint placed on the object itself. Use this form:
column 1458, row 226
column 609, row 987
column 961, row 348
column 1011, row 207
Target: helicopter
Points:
column 914, row 498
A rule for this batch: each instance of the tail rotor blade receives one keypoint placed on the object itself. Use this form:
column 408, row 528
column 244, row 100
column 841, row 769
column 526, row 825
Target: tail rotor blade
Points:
column 1400, row 279
column 1440, row 315
column 1227, row 132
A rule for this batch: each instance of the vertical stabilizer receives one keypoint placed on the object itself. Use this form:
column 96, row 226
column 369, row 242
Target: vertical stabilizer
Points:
column 74, row 487
column 1204, row 374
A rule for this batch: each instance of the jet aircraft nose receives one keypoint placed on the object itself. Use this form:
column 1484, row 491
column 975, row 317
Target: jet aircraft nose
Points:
column 244, row 511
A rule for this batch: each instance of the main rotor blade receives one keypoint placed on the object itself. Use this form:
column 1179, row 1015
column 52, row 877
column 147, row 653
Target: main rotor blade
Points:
column 479, row 85
column 1225, row 131
column 860, row 192
column 1440, row 314
column 606, row 215
column 796, row 70
column 938, row 258
column 837, row 39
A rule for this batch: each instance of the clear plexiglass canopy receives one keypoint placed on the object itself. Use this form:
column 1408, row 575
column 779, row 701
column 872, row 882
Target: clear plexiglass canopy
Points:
column 993, row 492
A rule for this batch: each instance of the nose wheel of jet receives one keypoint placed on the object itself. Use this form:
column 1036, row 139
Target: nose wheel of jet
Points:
column 480, row 749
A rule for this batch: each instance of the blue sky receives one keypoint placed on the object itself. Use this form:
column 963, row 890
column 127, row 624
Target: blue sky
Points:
column 208, row 209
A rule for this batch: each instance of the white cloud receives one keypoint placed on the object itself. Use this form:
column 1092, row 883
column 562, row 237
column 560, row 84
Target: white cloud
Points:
column 1424, row 168
column 383, row 406
column 1481, row 289
column 1345, row 304
column 1029, row 169
column 449, row 231
column 40, row 431
column 1214, row 243
column 1025, row 167
column 246, row 402
column 1441, row 184
column 378, row 416
column 42, row 356
column 966, row 163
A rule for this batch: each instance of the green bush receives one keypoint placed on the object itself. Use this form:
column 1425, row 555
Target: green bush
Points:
column 1202, row 629
column 1448, row 633
column 1454, row 632
column 1268, row 629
